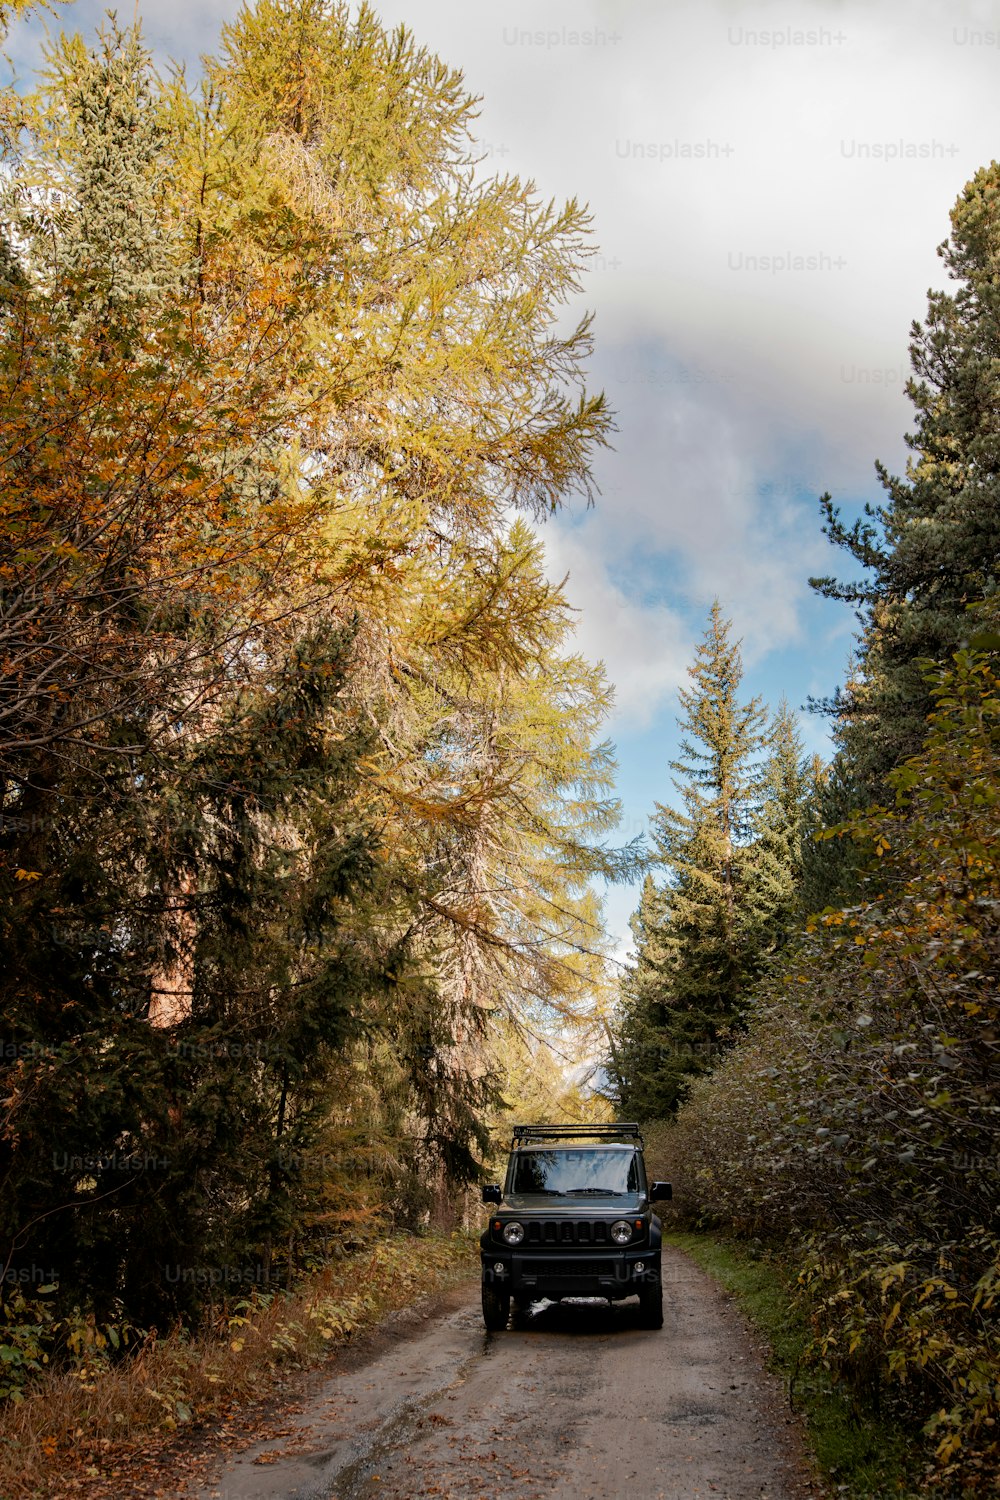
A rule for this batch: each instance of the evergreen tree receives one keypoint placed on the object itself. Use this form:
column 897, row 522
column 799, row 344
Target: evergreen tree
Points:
column 929, row 551
column 643, row 1068
column 733, row 857
column 117, row 248
column 712, row 931
column 788, row 786
column 831, row 867
column 130, row 1149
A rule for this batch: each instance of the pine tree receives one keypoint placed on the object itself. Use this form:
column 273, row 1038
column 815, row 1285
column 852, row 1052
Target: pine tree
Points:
column 645, row 1077
column 732, row 857
column 705, row 845
column 831, row 867
column 930, row 549
column 779, row 831
column 117, row 250
column 300, row 941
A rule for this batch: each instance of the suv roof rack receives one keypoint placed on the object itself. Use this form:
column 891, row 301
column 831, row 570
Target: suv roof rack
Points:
column 524, row 1133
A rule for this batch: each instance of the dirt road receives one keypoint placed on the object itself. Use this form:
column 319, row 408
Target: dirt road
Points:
column 571, row 1401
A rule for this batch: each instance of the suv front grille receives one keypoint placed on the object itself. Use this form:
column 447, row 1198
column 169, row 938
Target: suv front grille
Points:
column 567, row 1232
column 570, row 1234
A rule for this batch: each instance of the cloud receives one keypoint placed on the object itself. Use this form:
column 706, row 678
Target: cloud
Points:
column 645, row 648
column 711, row 143
column 704, row 498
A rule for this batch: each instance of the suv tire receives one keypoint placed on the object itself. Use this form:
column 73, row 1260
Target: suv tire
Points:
column 496, row 1308
column 651, row 1304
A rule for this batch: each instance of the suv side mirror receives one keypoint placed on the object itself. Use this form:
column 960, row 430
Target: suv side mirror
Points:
column 491, row 1192
column 660, row 1191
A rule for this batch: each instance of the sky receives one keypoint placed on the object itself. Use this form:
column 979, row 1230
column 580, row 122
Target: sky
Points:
column 768, row 185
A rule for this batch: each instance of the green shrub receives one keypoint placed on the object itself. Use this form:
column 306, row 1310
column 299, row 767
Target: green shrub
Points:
column 32, row 1334
column 859, row 1119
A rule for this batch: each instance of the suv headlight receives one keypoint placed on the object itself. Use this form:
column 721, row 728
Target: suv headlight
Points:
column 513, row 1232
column 621, row 1231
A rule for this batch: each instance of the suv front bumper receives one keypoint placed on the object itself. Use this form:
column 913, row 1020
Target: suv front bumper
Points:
column 614, row 1274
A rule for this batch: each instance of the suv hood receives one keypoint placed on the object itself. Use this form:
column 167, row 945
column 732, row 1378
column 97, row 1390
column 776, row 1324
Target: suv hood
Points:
column 585, row 1206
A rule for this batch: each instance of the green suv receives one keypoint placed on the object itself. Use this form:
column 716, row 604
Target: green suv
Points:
column 573, row 1219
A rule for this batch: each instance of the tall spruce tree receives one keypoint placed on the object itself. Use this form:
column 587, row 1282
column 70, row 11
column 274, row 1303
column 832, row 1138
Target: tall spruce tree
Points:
column 789, row 783
column 708, row 931
column 929, row 551
column 732, row 856
column 129, row 1149
column 117, row 248
column 646, row 1089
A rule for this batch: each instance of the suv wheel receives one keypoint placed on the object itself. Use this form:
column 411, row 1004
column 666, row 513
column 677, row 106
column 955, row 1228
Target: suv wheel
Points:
column 651, row 1304
column 496, row 1308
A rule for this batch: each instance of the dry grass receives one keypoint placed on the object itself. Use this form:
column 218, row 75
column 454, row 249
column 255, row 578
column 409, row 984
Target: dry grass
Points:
column 80, row 1433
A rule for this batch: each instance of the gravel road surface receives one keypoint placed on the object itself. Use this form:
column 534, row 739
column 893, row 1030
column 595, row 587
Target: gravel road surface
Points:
column 573, row 1400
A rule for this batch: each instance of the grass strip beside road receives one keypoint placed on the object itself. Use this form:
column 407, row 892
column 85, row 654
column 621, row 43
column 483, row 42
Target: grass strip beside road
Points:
column 860, row 1455
column 91, row 1432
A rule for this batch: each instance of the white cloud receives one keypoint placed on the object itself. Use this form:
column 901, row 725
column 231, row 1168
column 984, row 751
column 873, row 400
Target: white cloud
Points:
column 676, row 234
column 645, row 649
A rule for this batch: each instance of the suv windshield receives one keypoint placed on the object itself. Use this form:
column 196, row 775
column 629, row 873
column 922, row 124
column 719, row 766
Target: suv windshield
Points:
column 575, row 1171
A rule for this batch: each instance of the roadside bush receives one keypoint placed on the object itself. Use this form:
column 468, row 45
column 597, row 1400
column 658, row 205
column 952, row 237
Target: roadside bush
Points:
column 32, row 1334
column 115, row 1431
column 860, row 1116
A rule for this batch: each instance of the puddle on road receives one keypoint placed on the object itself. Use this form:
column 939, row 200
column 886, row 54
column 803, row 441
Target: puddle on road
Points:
column 354, row 1479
